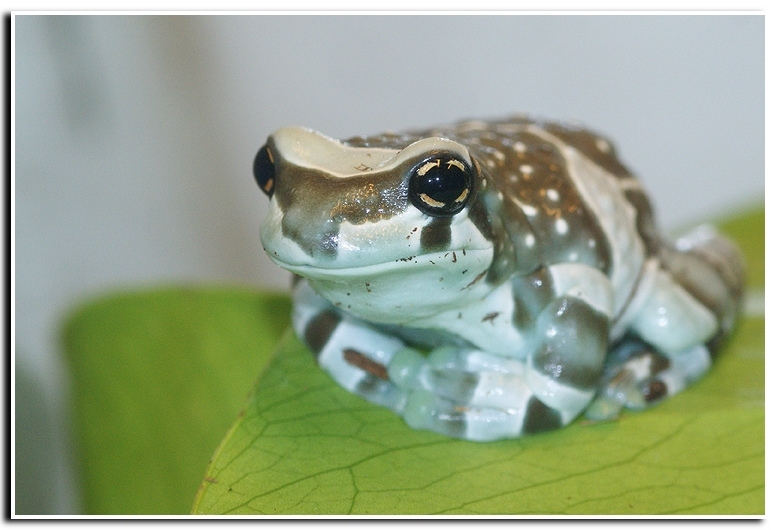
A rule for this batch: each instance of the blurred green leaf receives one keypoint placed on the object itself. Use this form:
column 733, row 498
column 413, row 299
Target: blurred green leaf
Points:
column 748, row 230
column 305, row 446
column 158, row 377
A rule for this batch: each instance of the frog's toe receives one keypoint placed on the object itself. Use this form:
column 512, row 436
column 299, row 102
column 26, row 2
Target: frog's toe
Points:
column 430, row 411
column 479, row 396
column 684, row 369
column 638, row 376
column 654, row 390
column 603, row 408
column 471, row 377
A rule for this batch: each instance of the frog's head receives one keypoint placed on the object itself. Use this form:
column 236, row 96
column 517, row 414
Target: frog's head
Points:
column 374, row 227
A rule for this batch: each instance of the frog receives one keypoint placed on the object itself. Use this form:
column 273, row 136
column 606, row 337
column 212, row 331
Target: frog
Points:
column 491, row 279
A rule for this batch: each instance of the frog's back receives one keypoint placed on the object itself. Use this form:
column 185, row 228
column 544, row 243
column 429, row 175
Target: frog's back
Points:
column 555, row 194
column 558, row 193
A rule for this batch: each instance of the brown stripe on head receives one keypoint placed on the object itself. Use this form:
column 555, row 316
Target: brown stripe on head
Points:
column 357, row 199
column 315, row 203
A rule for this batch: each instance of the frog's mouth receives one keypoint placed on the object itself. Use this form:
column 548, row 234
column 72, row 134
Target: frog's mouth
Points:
column 406, row 241
column 467, row 262
column 402, row 290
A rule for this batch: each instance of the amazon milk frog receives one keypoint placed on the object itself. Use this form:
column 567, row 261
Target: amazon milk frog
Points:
column 491, row 279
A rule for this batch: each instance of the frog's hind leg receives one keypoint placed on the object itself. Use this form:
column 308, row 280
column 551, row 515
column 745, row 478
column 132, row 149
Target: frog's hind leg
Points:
column 711, row 269
column 689, row 293
column 686, row 303
column 636, row 375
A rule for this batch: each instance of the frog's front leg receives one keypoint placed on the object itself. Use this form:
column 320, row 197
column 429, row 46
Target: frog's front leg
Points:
column 572, row 338
column 565, row 310
column 354, row 353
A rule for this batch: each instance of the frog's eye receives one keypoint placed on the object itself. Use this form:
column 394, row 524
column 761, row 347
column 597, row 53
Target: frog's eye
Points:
column 440, row 186
column 263, row 169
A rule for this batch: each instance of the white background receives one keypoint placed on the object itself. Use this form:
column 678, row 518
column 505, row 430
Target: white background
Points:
column 134, row 136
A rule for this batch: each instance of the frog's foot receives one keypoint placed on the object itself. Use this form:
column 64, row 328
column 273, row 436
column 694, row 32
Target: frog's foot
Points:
column 353, row 353
column 359, row 369
column 458, row 392
column 477, row 396
column 637, row 376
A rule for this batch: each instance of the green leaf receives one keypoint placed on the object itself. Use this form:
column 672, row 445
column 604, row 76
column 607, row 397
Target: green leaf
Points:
column 158, row 377
column 748, row 230
column 305, row 446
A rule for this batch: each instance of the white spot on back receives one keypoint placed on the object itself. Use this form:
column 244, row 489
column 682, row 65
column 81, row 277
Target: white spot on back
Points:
column 528, row 210
column 530, row 240
column 561, row 226
column 553, row 195
column 509, row 128
column 526, row 169
column 630, row 184
column 602, row 145
column 520, row 147
column 473, row 125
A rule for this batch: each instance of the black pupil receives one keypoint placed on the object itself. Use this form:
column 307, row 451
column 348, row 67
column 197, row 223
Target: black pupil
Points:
column 443, row 185
column 263, row 169
column 442, row 188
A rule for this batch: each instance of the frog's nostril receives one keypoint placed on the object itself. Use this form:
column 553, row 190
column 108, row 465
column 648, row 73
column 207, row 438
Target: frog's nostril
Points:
column 264, row 171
